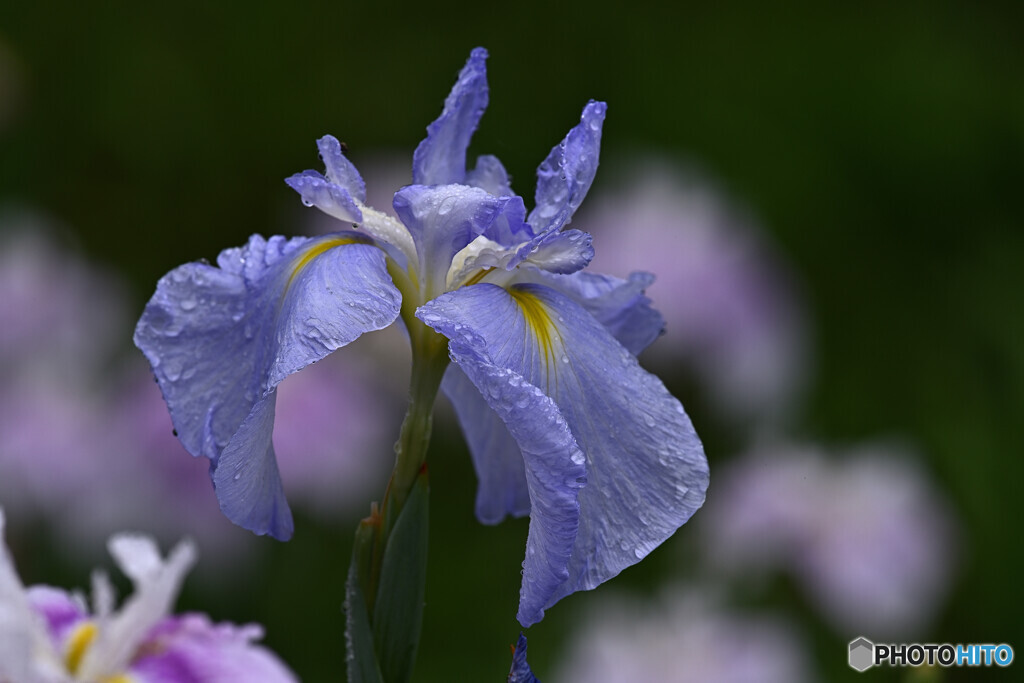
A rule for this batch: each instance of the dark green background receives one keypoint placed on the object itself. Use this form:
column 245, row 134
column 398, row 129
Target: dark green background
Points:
column 881, row 145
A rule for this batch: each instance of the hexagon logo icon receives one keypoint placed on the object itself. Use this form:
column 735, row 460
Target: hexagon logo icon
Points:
column 862, row 654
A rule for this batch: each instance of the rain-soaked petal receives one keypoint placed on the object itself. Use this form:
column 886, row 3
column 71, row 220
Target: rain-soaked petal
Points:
column 220, row 339
column 646, row 469
column 441, row 157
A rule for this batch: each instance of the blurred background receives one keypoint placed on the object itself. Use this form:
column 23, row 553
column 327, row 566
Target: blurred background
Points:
column 830, row 198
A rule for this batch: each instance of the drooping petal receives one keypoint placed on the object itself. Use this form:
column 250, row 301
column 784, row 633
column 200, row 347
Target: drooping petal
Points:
column 192, row 648
column 565, row 176
column 555, row 473
column 220, row 339
column 646, row 469
column 490, row 175
column 156, row 582
column 621, row 306
column 247, row 480
column 520, row 672
column 497, row 458
column 329, row 197
column 441, row 157
column 340, row 170
column 444, row 219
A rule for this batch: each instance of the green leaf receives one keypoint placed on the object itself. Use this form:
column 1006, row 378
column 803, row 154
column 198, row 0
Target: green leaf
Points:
column 398, row 611
column 361, row 658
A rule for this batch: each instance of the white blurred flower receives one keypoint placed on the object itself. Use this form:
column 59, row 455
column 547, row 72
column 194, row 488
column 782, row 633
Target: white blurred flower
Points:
column 50, row 636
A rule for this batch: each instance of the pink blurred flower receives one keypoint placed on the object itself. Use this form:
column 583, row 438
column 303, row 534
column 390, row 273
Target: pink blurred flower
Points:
column 685, row 637
column 868, row 536
column 734, row 316
column 85, row 437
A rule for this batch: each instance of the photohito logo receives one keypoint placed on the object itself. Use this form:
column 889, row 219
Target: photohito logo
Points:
column 864, row 654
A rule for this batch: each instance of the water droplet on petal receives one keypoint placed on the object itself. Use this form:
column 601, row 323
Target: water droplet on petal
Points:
column 188, row 304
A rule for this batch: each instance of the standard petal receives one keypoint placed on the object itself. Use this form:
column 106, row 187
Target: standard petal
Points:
column 555, row 473
column 565, row 176
column 497, row 459
column 340, row 170
column 646, row 469
column 332, row 199
column 444, row 219
column 560, row 252
column 220, row 339
column 247, row 480
column 441, row 157
column 191, row 648
column 490, row 175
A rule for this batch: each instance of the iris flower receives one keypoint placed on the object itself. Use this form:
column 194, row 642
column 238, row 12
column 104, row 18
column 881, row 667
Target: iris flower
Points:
column 48, row 635
column 562, row 422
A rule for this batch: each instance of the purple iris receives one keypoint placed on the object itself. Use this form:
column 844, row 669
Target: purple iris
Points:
column 562, row 422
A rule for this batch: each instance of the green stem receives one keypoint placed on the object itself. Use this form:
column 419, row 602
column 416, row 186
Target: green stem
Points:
column 429, row 361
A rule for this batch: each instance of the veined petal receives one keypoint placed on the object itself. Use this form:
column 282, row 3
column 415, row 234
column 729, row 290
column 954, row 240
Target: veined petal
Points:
column 340, row 170
column 620, row 305
column 220, row 339
column 192, row 648
column 443, row 219
column 555, row 473
column 646, row 469
column 565, row 176
column 497, row 458
column 440, row 158
column 490, row 175
column 329, row 197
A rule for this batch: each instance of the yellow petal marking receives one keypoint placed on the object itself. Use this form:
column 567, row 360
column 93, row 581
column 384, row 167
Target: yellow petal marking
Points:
column 317, row 249
column 537, row 320
column 80, row 640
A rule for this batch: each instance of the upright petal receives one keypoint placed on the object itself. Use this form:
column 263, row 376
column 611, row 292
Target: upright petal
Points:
column 646, row 469
column 329, row 197
column 565, row 176
column 220, row 339
column 555, row 473
column 490, row 175
column 443, row 219
column 340, row 170
column 441, row 157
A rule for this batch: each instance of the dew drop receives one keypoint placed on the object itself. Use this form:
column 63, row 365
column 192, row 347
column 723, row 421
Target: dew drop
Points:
column 648, row 420
column 306, row 202
column 188, row 304
column 639, row 552
column 565, row 359
column 238, row 475
column 578, row 458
